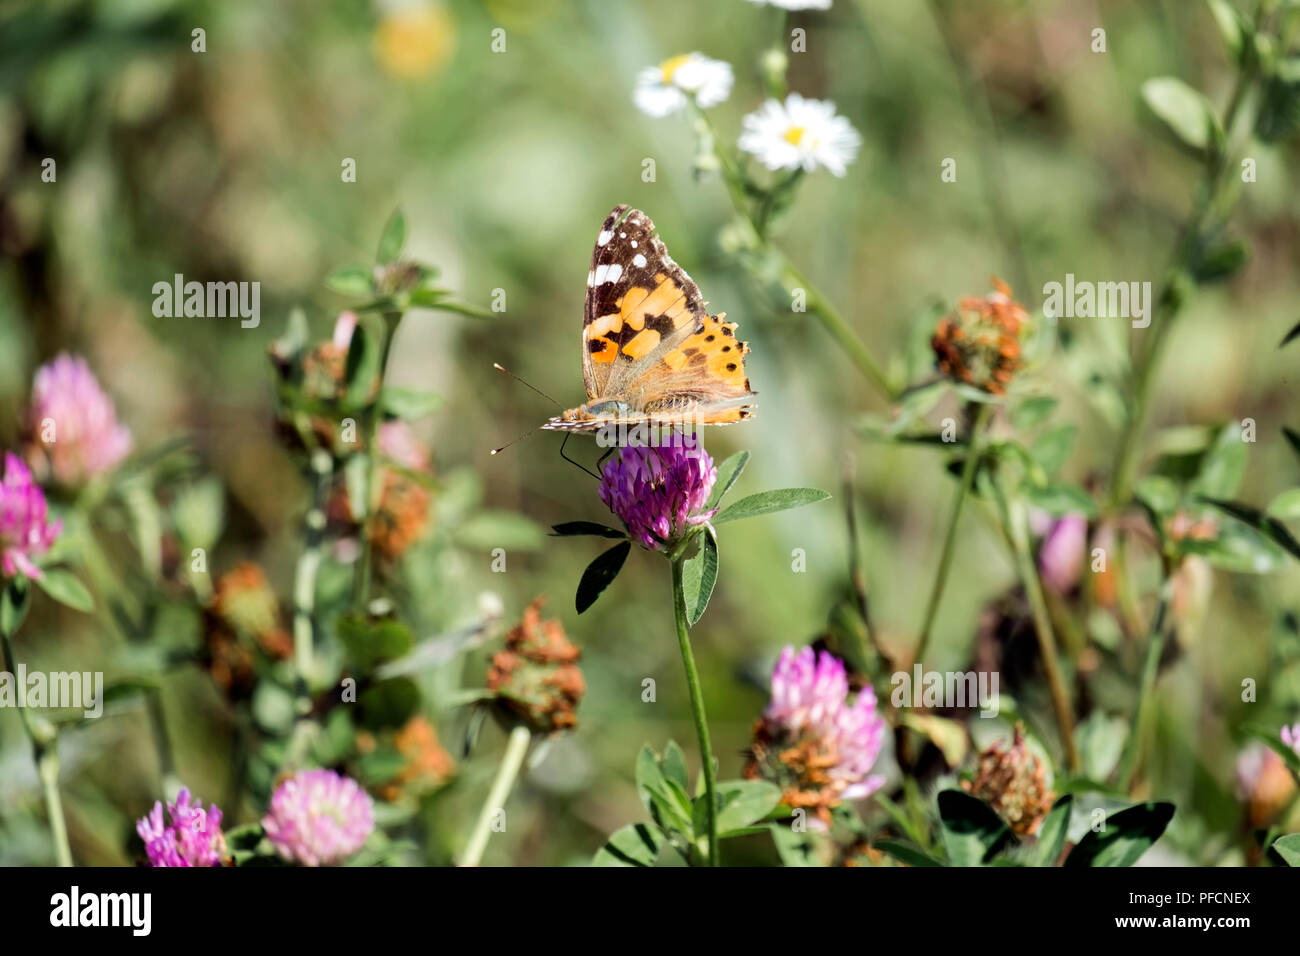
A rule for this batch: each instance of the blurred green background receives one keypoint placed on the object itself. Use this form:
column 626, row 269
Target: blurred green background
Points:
column 225, row 165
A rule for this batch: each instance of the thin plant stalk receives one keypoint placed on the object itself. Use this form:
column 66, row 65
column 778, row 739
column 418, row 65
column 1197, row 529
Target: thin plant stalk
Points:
column 309, row 561
column 1013, row 517
column 1155, row 648
column 511, row 761
column 45, row 755
column 950, row 536
column 373, row 495
column 697, row 710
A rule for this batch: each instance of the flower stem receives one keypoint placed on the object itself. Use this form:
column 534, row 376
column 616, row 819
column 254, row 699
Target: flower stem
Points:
column 1013, row 517
column 950, row 536
column 697, row 710
column 374, row 493
column 46, row 757
column 304, row 578
column 1155, row 648
column 511, row 761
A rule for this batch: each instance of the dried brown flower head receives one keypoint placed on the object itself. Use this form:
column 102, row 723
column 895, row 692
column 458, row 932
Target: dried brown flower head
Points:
column 244, row 617
column 1014, row 782
column 979, row 344
column 536, row 677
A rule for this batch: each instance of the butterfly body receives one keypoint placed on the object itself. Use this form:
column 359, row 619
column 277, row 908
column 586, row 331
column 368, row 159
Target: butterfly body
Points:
column 651, row 353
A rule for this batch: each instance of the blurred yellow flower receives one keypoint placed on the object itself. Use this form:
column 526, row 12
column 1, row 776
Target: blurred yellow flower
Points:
column 415, row 39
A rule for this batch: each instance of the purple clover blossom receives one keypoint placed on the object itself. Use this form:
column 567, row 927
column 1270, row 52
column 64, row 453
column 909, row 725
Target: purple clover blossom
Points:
column 659, row 491
column 1060, row 559
column 193, row 838
column 25, row 534
column 319, row 818
column 74, row 422
column 1291, row 737
column 809, row 699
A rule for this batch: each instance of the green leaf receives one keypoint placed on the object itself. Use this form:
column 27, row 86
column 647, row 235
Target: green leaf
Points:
column 392, row 239
column 408, row 404
column 199, row 513
column 1286, row 506
column 15, row 601
column 673, row 766
column 1051, row 449
column 728, row 472
column 743, row 803
column 1230, row 26
column 1288, row 848
column 390, row 703
column 1271, row 528
column 1124, row 837
column 769, row 502
column 637, row 844
column 351, row 281
column 1292, row 439
column 1033, row 411
column 372, row 641
column 795, row 848
column 1185, row 112
column 600, row 574
column 1061, row 500
column 500, row 529
column 1273, row 740
column 362, row 368
column 905, row 852
column 1221, row 468
column 1218, row 262
column 64, row 587
column 1051, row 833
column 972, row 831
column 699, row 574
column 571, row 528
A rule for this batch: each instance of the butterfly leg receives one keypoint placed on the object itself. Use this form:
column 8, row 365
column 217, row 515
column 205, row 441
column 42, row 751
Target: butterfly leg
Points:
column 567, row 436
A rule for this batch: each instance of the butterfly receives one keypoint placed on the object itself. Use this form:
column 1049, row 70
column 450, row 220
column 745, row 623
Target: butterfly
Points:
column 651, row 353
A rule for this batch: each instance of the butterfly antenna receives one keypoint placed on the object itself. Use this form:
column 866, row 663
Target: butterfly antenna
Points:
column 501, row 368
column 497, row 451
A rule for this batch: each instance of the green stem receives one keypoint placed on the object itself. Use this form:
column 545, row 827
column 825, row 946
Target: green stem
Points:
column 1150, row 670
column 1013, row 517
column 950, row 536
column 511, row 761
column 818, row 304
column 374, row 493
column 697, row 710
column 1167, row 302
column 304, row 579
column 46, row 757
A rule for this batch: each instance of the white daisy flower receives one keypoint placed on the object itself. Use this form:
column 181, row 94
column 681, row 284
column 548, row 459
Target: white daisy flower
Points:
column 795, row 4
column 664, row 89
column 800, row 134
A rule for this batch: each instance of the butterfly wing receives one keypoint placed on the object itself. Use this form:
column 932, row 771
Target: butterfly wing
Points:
column 648, row 339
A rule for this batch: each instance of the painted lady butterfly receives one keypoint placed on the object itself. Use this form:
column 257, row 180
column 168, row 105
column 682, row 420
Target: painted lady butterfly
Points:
column 650, row 350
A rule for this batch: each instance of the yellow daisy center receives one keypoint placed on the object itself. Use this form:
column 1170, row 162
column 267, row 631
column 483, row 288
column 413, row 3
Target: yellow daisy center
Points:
column 794, row 135
column 671, row 66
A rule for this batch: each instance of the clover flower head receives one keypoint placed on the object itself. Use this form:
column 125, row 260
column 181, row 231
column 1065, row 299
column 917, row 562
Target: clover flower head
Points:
column 1060, row 559
column 318, row 818
column 800, row 134
column 75, row 432
column 25, row 531
column 659, row 491
column 811, row 741
column 1014, row 782
column 192, row 838
column 665, row 89
column 979, row 344
column 1291, row 737
column 536, row 677
column 1264, row 783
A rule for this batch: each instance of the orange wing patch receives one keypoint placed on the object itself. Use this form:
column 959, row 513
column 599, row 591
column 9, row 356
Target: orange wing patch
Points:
column 714, row 351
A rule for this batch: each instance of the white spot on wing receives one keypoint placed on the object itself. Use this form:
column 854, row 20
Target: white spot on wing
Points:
column 638, row 260
column 604, row 237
